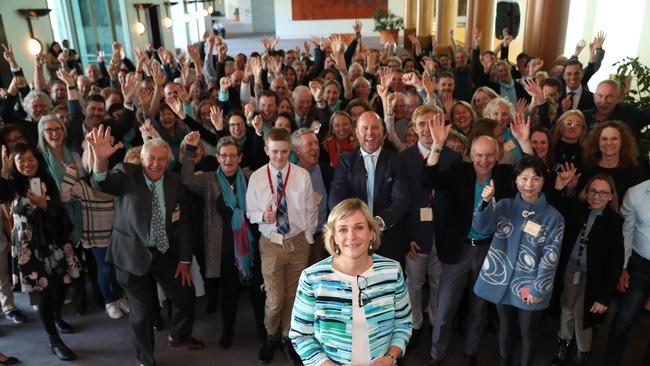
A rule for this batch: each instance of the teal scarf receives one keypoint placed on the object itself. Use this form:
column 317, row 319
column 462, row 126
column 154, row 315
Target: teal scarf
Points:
column 57, row 170
column 508, row 91
column 336, row 107
column 241, row 234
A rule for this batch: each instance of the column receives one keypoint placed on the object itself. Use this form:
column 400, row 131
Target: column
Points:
column 410, row 21
column 447, row 14
column 480, row 15
column 545, row 28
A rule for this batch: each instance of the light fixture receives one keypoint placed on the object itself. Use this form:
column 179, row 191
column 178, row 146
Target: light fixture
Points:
column 34, row 45
column 167, row 21
column 204, row 12
column 139, row 27
column 210, row 9
column 186, row 16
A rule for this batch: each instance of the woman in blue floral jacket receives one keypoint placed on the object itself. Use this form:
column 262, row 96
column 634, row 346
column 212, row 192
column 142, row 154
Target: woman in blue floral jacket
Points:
column 519, row 269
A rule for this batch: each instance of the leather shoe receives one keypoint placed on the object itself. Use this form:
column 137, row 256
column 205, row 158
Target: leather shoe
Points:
column 470, row 360
column 9, row 361
column 289, row 352
column 191, row 343
column 268, row 348
column 63, row 327
column 226, row 340
column 60, row 349
column 158, row 324
column 433, row 362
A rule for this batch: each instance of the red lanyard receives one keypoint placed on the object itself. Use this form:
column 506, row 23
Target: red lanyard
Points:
column 423, row 158
column 284, row 186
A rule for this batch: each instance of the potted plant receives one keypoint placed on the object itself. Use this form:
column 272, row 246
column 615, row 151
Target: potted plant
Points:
column 387, row 24
column 636, row 93
column 235, row 14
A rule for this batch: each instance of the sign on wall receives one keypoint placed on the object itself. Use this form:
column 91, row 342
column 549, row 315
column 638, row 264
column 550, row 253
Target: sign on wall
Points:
column 335, row 9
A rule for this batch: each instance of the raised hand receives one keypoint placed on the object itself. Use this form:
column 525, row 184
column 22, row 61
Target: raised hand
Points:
column 249, row 110
column 216, row 118
column 222, row 50
column 507, row 38
column 67, row 77
column 439, row 132
column 175, row 104
column 128, row 85
column 336, row 43
column 256, row 65
column 7, row 162
column 382, row 91
column 357, row 26
column 8, row 54
column 101, row 143
column 40, row 59
column 447, row 100
column 100, row 56
column 534, row 66
column 411, row 78
column 193, row 52
column 429, row 84
column 224, row 84
column 533, row 89
column 599, row 39
column 391, row 99
column 316, row 90
column 147, row 131
column 385, row 76
column 144, row 96
column 476, row 38
column 579, row 46
column 565, row 175
column 162, row 54
column 193, row 138
column 522, row 103
column 488, row 192
column 429, row 65
column 520, row 127
column 257, row 124
column 158, row 75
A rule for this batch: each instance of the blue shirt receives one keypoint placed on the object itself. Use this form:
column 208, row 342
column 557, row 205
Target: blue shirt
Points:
column 319, row 189
column 636, row 228
column 573, row 258
column 478, row 199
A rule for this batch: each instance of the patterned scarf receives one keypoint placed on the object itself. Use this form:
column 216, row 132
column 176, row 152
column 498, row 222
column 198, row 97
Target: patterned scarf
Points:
column 242, row 235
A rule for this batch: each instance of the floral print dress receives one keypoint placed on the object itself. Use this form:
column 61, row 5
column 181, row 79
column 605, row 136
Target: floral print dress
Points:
column 36, row 248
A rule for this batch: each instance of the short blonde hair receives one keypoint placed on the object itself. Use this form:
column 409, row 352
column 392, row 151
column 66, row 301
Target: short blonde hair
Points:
column 343, row 210
column 423, row 110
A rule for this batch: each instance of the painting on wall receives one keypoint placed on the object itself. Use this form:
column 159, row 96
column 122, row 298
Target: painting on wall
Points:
column 335, row 9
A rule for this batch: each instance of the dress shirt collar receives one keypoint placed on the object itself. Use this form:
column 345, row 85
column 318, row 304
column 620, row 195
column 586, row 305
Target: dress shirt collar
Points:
column 375, row 155
column 578, row 90
column 148, row 181
column 423, row 150
column 274, row 172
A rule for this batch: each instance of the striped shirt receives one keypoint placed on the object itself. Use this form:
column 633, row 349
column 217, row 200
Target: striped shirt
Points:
column 321, row 323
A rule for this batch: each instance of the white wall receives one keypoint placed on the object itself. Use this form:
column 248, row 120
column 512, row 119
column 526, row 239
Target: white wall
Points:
column 263, row 16
column 285, row 27
column 17, row 31
column 628, row 32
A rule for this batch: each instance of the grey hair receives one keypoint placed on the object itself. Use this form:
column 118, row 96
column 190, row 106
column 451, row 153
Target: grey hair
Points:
column 42, row 144
column 295, row 136
column 494, row 104
column 360, row 79
column 296, row 91
column 611, row 82
column 157, row 142
column 31, row 97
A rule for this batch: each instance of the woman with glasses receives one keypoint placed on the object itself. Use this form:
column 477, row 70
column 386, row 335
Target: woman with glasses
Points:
column 518, row 271
column 611, row 149
column 590, row 262
column 353, row 307
column 567, row 136
column 230, row 249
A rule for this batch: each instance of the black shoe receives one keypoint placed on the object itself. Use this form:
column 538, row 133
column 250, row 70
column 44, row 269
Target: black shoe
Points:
column 158, row 324
column 562, row 350
column 60, row 349
column 470, row 360
column 504, row 361
column 290, row 353
column 63, row 327
column 226, row 340
column 16, row 316
column 581, row 358
column 433, row 362
column 9, row 361
column 268, row 348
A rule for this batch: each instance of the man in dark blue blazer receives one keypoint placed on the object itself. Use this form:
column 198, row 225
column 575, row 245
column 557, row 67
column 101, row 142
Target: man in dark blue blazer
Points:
column 389, row 200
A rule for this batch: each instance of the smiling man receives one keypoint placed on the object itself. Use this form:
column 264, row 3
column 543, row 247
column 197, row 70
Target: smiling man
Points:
column 373, row 175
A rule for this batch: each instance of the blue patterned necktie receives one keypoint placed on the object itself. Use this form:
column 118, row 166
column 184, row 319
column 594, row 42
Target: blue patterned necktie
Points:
column 370, row 182
column 282, row 213
column 158, row 222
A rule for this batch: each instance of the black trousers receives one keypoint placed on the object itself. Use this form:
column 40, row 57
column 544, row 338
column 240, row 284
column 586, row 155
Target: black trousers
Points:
column 140, row 293
column 51, row 302
column 528, row 327
column 231, row 286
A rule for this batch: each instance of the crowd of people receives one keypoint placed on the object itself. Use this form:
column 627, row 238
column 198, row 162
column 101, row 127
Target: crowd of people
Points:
column 356, row 193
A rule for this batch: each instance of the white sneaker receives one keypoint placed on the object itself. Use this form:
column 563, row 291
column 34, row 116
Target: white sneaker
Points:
column 124, row 305
column 113, row 310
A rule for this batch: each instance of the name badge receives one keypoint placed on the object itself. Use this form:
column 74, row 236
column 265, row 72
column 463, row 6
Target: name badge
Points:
column 532, row 228
column 277, row 238
column 426, row 214
column 508, row 146
column 318, row 197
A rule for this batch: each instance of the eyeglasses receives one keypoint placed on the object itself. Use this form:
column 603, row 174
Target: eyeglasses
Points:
column 226, row 156
column 362, row 283
column 236, row 124
column 53, row 130
column 595, row 193
column 572, row 124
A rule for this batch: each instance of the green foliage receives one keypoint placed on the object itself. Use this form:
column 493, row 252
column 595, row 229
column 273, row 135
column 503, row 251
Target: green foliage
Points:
column 385, row 20
column 639, row 94
column 236, row 11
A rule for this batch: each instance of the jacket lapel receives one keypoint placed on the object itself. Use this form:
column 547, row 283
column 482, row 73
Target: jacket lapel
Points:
column 380, row 172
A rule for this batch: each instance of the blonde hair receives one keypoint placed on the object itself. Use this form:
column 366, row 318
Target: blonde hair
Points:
column 342, row 211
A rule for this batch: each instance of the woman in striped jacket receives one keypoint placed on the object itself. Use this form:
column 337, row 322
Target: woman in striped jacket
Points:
column 351, row 308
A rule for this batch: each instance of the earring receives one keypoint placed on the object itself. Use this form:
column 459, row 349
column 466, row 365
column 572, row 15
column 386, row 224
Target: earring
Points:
column 337, row 250
column 370, row 247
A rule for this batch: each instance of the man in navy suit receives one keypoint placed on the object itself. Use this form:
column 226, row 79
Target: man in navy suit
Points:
column 374, row 175
column 575, row 95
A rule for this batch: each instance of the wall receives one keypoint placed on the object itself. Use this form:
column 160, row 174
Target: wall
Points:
column 18, row 32
column 130, row 17
column 263, row 16
column 285, row 27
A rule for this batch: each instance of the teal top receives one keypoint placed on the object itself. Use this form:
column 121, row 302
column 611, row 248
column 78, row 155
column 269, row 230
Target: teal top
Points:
column 478, row 199
column 321, row 323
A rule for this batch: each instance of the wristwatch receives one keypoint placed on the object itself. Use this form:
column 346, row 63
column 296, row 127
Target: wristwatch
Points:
column 380, row 222
column 391, row 357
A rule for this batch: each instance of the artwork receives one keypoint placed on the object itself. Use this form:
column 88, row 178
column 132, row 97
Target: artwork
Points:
column 335, row 9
